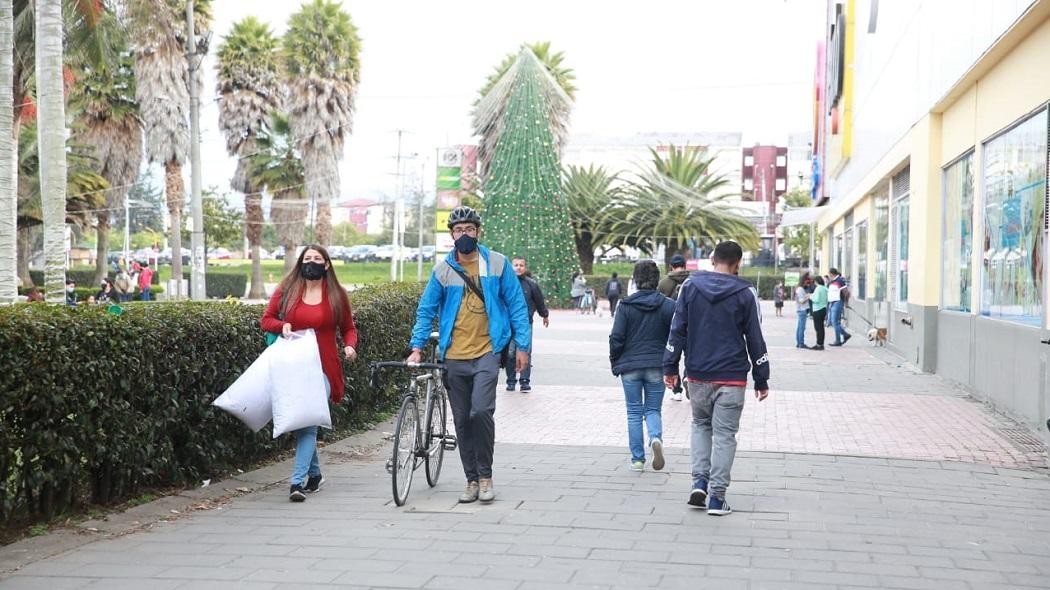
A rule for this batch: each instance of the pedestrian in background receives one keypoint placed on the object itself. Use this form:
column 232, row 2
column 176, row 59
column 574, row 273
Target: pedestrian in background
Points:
column 310, row 296
column 534, row 299
column 613, row 288
column 802, row 311
column 717, row 325
column 145, row 281
column 778, row 299
column 636, row 347
column 819, row 302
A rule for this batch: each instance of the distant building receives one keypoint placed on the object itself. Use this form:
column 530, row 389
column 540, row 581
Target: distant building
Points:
column 764, row 179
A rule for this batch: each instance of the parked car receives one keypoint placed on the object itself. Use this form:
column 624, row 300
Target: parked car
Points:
column 362, row 253
column 165, row 256
column 278, row 254
column 385, row 252
column 219, row 254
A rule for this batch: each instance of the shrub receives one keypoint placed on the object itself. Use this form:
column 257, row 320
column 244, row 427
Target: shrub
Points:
column 763, row 282
column 82, row 277
column 83, row 292
column 94, row 407
column 220, row 284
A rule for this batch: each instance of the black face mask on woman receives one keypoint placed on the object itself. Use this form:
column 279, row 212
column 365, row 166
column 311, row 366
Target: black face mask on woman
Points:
column 313, row 271
column 466, row 244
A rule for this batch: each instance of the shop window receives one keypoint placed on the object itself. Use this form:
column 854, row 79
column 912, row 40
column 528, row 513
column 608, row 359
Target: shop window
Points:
column 1014, row 179
column 957, row 245
column 901, row 218
column 882, row 237
column 860, row 283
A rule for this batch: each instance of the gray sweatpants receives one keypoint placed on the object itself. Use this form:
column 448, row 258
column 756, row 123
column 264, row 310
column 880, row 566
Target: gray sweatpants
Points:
column 716, row 419
column 472, row 394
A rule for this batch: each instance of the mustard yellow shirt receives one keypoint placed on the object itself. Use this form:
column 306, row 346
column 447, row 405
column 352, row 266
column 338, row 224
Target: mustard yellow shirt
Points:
column 470, row 335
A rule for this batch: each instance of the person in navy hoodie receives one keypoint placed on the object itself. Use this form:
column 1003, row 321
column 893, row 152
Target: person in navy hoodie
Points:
column 717, row 324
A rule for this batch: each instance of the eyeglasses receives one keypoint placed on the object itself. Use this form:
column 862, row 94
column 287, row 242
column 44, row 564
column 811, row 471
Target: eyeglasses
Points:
column 469, row 230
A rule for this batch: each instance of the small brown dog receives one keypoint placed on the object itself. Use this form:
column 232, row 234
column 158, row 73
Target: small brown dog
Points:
column 877, row 336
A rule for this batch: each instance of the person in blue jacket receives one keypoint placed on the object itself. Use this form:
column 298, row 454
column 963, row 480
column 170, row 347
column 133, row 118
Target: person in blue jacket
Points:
column 718, row 326
column 477, row 299
column 636, row 347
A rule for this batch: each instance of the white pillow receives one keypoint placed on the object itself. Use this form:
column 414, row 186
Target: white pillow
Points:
column 297, row 384
column 248, row 399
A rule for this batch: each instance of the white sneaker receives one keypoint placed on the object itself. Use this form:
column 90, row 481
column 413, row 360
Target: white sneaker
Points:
column 676, row 396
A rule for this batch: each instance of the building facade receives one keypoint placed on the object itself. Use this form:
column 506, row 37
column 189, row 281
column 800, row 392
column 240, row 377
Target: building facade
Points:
column 764, row 175
column 932, row 134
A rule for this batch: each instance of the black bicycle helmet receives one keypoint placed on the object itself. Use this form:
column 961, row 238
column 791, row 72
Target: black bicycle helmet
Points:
column 463, row 215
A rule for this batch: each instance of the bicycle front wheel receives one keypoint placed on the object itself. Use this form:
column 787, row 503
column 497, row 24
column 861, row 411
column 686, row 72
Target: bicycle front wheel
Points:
column 403, row 462
column 437, row 428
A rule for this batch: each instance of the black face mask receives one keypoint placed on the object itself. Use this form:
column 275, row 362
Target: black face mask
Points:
column 313, row 271
column 466, row 244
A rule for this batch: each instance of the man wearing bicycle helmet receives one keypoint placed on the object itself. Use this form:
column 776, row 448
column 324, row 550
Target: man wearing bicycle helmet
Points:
column 477, row 299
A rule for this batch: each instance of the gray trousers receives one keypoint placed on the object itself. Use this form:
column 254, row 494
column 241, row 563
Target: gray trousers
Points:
column 716, row 419
column 472, row 394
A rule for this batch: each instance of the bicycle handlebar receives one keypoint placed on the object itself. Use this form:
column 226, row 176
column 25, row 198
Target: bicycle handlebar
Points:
column 373, row 369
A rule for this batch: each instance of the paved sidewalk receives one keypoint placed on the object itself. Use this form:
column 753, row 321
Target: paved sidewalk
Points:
column 866, row 476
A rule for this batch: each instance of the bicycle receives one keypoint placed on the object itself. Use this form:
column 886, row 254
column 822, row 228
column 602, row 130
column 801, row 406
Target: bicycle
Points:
column 416, row 445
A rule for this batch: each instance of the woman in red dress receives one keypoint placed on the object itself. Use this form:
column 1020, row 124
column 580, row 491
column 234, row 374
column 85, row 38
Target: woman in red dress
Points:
column 314, row 300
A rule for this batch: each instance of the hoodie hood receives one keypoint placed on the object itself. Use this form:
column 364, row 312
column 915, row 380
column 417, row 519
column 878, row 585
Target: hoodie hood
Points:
column 679, row 276
column 645, row 300
column 716, row 286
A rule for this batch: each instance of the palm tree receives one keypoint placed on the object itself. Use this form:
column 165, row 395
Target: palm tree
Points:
column 495, row 92
column 590, row 193
column 51, row 131
column 249, row 92
column 277, row 167
column 8, row 174
column 321, row 51
column 157, row 29
column 675, row 202
column 108, row 123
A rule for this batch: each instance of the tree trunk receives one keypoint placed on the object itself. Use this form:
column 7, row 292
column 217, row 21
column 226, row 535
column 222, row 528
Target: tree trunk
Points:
column 25, row 252
column 289, row 255
column 8, row 155
column 585, row 251
column 175, row 193
column 253, row 219
column 324, row 223
column 102, row 248
column 51, row 138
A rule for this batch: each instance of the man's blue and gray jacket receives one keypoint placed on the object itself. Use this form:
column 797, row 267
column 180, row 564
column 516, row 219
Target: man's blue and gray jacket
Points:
column 504, row 303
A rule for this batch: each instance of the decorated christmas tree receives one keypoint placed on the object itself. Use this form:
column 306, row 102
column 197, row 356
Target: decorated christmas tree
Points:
column 525, row 213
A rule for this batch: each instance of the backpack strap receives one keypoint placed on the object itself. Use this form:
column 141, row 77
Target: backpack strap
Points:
column 469, row 282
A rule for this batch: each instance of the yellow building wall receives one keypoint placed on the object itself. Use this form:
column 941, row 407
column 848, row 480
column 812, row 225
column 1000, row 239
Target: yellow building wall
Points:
column 924, row 221
column 1011, row 90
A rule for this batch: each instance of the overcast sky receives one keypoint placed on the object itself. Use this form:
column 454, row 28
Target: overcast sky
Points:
column 654, row 66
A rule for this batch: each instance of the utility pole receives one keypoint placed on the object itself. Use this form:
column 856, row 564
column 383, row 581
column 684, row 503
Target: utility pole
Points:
column 197, row 262
column 419, row 256
column 395, row 257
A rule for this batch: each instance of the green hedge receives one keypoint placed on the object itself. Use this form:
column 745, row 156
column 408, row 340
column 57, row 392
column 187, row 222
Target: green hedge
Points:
column 83, row 292
column 82, row 276
column 95, row 407
column 220, row 285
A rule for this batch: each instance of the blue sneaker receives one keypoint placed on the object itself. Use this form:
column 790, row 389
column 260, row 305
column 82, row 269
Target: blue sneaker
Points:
column 718, row 507
column 698, row 496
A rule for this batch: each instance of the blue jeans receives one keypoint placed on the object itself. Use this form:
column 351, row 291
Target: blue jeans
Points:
column 800, row 330
column 835, row 310
column 644, row 392
column 512, row 351
column 145, row 294
column 306, row 461
column 716, row 419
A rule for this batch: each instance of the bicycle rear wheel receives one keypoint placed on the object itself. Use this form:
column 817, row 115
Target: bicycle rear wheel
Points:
column 403, row 462
column 437, row 428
